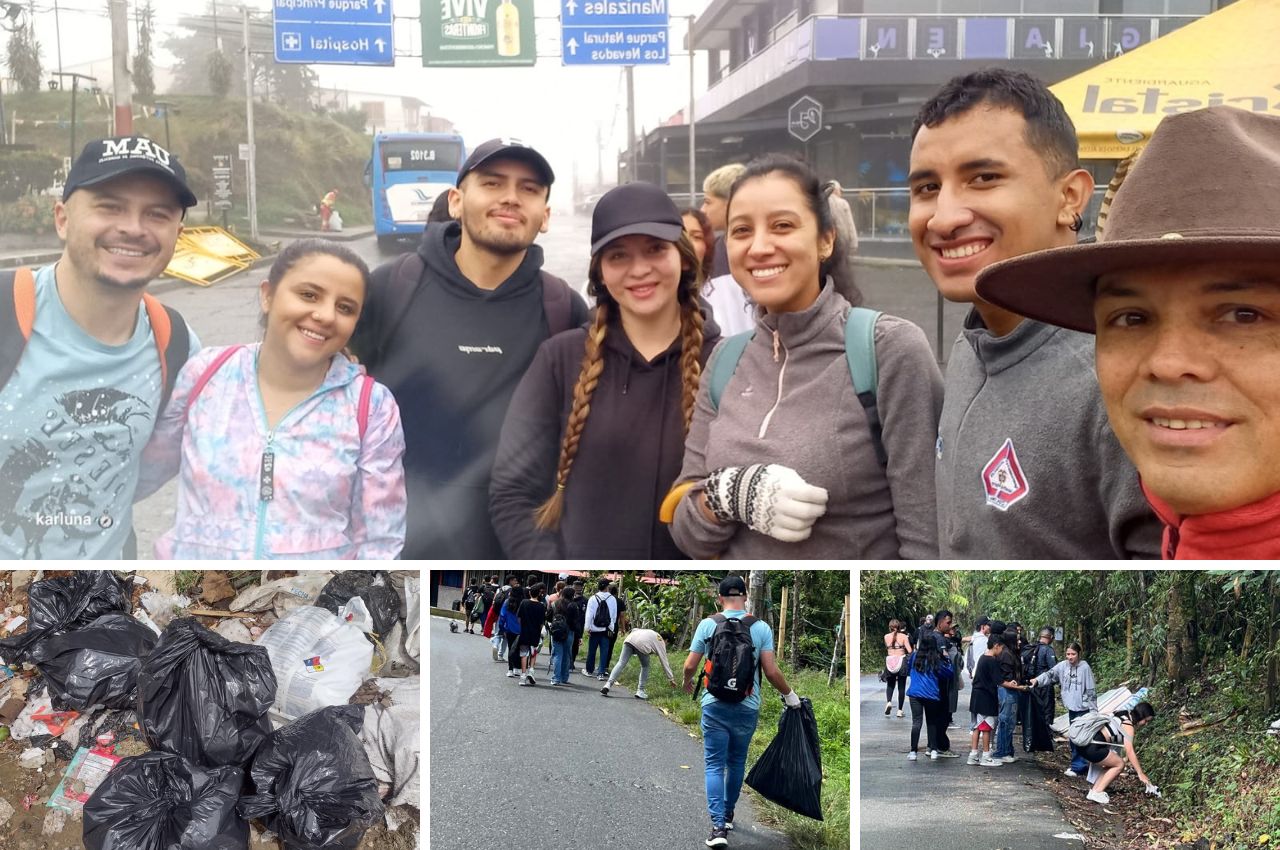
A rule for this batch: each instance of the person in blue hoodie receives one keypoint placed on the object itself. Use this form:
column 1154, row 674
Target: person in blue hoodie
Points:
column 931, row 675
column 509, row 621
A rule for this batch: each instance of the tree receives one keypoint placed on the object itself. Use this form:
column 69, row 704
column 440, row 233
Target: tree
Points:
column 24, row 59
column 755, row 594
column 218, row 67
column 144, row 79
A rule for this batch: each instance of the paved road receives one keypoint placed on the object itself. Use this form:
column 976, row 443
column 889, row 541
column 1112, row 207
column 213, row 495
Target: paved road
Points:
column 948, row 803
column 582, row 772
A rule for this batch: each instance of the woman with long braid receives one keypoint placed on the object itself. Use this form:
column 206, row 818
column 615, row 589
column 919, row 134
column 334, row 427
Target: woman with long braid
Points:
column 594, row 436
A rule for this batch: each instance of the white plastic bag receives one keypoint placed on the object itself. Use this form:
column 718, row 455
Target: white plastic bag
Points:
column 356, row 612
column 318, row 660
column 335, row 221
column 283, row 595
column 413, row 618
column 391, row 740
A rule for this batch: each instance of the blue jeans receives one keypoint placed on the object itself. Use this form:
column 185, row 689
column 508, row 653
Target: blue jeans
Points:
column 560, row 659
column 726, row 733
column 1004, row 724
column 597, row 641
column 1078, row 762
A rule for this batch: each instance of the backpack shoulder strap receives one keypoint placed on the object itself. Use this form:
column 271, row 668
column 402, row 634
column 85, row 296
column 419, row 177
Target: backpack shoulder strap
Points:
column 750, row 621
column 209, row 371
column 173, row 342
column 362, row 412
column 557, row 303
column 724, row 364
column 17, row 317
column 860, row 351
column 407, row 272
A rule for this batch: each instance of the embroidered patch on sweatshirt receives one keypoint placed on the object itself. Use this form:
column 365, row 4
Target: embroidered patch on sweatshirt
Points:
column 1003, row 478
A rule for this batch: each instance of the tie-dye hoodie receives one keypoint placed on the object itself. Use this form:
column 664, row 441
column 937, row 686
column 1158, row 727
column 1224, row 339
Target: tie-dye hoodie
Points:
column 334, row 496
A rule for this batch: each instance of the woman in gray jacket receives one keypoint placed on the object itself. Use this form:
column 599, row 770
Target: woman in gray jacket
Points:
column 791, row 462
column 1079, row 695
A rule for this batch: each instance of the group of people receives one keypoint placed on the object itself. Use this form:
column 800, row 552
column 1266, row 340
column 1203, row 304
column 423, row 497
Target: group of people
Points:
column 1012, row 681
column 525, row 425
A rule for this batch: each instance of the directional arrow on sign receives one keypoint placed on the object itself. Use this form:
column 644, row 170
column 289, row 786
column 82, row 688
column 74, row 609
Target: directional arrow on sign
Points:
column 382, row 45
column 380, row 5
column 572, row 44
column 572, row 6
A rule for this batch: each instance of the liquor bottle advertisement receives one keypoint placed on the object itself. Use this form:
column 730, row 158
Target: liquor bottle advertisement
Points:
column 477, row 32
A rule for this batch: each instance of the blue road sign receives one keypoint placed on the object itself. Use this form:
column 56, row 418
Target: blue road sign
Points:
column 334, row 32
column 614, row 13
column 615, row 45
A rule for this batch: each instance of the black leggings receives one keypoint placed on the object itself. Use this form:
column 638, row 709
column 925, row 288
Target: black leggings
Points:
column 935, row 714
column 513, row 651
column 917, row 720
column 901, row 682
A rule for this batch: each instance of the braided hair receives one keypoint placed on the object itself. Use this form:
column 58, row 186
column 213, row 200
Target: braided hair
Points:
column 548, row 515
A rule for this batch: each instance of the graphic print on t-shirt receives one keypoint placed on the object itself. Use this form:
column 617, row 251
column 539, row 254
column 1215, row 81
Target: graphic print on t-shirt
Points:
column 1003, row 479
column 64, row 475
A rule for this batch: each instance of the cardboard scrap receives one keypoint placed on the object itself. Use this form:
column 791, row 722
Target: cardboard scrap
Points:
column 216, row 587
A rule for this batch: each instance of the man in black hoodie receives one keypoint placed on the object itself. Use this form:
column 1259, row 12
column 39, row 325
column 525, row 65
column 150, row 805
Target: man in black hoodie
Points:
column 450, row 331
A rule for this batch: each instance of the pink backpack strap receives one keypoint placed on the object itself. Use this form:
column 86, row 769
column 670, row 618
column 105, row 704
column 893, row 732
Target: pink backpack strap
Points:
column 362, row 412
column 209, row 371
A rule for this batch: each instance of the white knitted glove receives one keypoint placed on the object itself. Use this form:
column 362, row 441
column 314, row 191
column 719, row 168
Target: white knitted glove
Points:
column 1153, row 791
column 769, row 498
column 791, row 700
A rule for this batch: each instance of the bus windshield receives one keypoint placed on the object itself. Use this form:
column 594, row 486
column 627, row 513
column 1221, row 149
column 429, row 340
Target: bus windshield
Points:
column 421, row 155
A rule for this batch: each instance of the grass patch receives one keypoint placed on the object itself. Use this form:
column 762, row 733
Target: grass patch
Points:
column 830, row 708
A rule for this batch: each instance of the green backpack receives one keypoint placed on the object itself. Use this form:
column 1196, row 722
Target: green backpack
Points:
column 859, row 351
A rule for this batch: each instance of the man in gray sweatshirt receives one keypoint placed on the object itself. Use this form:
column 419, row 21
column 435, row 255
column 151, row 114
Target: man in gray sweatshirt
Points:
column 1027, row 465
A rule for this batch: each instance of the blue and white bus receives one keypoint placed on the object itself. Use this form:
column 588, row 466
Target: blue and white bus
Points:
column 405, row 173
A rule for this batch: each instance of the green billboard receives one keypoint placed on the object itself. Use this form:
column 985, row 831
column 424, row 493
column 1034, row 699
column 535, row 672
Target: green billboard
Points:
column 478, row 32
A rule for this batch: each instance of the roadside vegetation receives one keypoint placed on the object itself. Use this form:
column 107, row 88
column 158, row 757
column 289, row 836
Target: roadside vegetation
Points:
column 1207, row 644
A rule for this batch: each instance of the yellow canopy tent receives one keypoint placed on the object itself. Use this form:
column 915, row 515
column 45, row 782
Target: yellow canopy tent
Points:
column 1229, row 57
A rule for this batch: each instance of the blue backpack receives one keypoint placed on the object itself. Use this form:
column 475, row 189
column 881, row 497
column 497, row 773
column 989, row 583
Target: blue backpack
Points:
column 859, row 351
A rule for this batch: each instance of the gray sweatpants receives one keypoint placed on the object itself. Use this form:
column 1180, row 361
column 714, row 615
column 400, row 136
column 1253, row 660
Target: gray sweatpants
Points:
column 627, row 652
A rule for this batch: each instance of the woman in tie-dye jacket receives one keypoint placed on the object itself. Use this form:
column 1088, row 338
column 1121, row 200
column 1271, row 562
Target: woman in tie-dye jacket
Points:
column 285, row 449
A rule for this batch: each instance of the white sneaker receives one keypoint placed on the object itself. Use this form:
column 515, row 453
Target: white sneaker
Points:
column 948, row 754
column 642, row 695
column 888, row 707
column 973, row 757
column 1070, row 772
column 990, row 762
column 933, row 754
column 525, row 681
column 899, row 712
column 1098, row 797
column 511, row 674
column 911, row 756
column 1009, row 759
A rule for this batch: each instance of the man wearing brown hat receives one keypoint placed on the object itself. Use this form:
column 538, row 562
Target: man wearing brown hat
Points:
column 1027, row 466
column 87, row 359
column 1182, row 290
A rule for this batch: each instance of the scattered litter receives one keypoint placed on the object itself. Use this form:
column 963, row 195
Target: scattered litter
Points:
column 34, row 758
column 396, row 816
column 164, row 608
column 413, row 618
column 64, row 604
column 106, row 739
column 54, row 822
column 234, row 630
column 55, row 721
column 204, row 697
column 6, row 811
column 313, row 784
column 391, row 738
column 282, row 595
column 159, row 801
column 95, row 665
column 29, row 800
column 12, row 625
column 356, row 613
column 318, row 660
column 81, row 778
column 10, row 709
column 23, row 726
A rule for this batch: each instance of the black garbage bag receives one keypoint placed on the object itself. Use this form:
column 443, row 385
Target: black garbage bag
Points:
column 313, row 785
column 204, row 697
column 97, row 664
column 789, row 771
column 373, row 586
column 66, row 603
column 159, row 801
column 1039, row 719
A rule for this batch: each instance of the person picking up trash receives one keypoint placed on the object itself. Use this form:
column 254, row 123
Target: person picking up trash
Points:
column 738, row 648
column 641, row 642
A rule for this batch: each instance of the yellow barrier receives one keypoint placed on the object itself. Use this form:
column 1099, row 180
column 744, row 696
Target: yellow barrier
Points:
column 206, row 255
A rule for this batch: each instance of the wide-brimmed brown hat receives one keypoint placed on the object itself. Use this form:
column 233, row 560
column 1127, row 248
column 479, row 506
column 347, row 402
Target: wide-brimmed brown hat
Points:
column 1206, row 188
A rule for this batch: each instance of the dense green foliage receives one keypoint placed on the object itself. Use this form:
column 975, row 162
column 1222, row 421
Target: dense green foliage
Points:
column 1207, row 643
column 23, row 59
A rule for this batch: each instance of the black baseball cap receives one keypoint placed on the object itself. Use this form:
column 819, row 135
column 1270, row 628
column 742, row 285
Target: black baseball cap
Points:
column 508, row 149
column 634, row 208
column 733, row 586
column 106, row 159
column 982, row 621
column 997, row 627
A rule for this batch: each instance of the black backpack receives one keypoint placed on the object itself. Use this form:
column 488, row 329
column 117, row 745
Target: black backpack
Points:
column 602, row 618
column 729, row 670
column 559, row 626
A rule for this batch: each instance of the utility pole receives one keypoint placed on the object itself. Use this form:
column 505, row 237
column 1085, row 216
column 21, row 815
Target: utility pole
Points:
column 75, row 87
column 121, row 79
column 693, row 156
column 248, row 106
column 57, row 29
column 599, row 157
column 631, row 126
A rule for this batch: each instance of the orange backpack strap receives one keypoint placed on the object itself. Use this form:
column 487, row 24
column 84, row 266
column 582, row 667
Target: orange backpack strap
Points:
column 17, row 317
column 173, row 343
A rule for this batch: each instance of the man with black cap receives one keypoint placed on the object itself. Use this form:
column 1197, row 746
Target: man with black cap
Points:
column 1182, row 290
column 451, row 327
column 730, row 702
column 87, row 358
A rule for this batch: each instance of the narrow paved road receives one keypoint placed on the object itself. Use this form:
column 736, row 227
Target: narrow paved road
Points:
column 546, row 768
column 947, row 803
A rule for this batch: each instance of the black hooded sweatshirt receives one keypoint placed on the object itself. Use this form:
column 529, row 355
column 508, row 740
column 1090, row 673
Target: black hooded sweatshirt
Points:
column 629, row 455
column 452, row 363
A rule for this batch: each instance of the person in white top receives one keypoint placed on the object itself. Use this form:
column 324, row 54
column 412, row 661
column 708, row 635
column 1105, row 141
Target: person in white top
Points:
column 598, row 635
column 641, row 642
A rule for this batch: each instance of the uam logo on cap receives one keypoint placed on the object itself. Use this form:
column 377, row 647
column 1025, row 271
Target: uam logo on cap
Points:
column 134, row 147
column 1003, row 479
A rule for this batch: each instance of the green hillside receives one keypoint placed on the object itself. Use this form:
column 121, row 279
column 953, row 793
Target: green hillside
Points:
column 300, row 156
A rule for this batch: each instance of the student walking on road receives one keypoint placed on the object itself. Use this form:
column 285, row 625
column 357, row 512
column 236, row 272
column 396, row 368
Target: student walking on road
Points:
column 984, row 706
column 731, row 701
column 510, row 622
column 930, row 679
column 602, row 625
column 641, row 642
column 897, row 646
column 578, row 622
column 977, row 648
column 561, row 616
column 532, row 614
column 1079, row 695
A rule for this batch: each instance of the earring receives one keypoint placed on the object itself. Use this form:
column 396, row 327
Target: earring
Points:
column 1077, row 222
